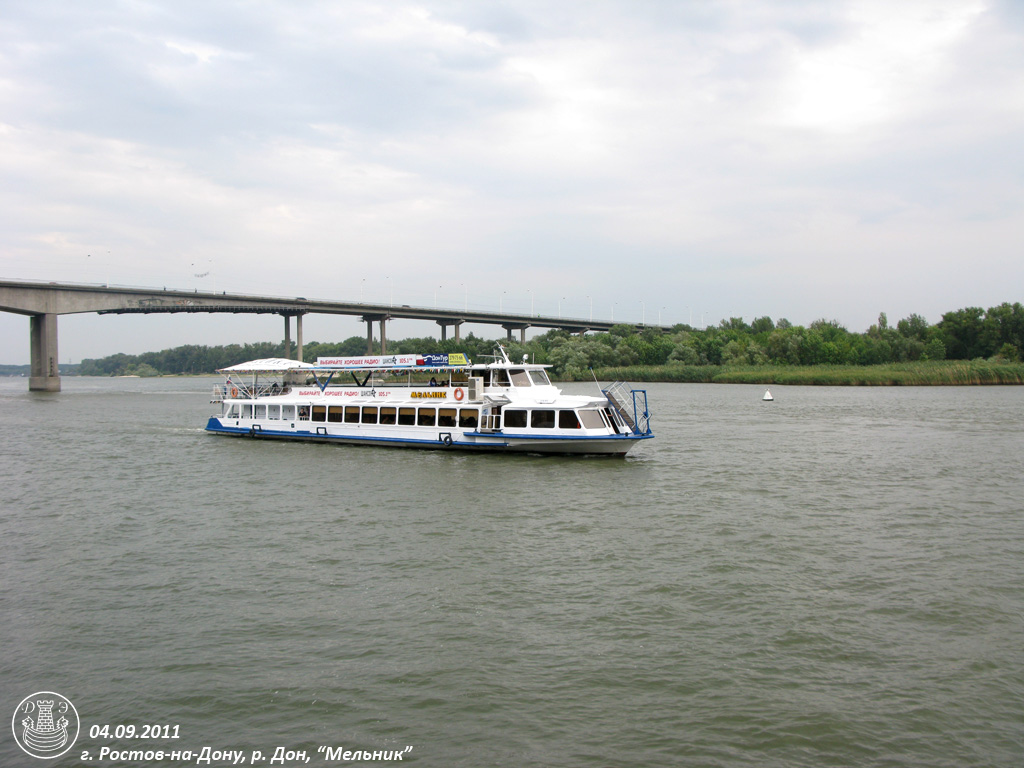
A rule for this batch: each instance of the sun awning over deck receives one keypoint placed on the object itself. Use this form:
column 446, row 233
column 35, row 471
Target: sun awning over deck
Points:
column 268, row 365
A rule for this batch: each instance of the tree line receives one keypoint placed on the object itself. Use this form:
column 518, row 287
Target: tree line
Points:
column 964, row 334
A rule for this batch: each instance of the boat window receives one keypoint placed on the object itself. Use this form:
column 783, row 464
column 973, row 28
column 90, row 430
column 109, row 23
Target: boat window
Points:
column 335, row 413
column 233, row 412
column 319, row 413
column 568, row 420
column 287, row 412
column 446, row 417
column 303, row 413
column 592, row 419
column 387, row 415
column 370, row 414
column 613, row 419
column 543, row 419
column 261, row 411
column 469, row 417
column 520, row 378
column 351, row 414
column 406, row 416
column 540, row 378
column 427, row 417
column 514, row 418
column 274, row 412
column 500, row 378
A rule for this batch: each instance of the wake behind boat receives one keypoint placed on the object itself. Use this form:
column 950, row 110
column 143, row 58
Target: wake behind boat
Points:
column 387, row 400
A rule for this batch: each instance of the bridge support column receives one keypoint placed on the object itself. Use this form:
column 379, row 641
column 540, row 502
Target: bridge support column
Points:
column 44, row 375
column 444, row 328
column 509, row 327
column 298, row 336
column 287, row 337
column 370, row 320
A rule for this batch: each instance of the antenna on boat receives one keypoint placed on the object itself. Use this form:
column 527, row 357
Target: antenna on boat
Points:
column 595, row 380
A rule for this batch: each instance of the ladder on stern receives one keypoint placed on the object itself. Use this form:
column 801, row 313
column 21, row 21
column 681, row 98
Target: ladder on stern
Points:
column 631, row 405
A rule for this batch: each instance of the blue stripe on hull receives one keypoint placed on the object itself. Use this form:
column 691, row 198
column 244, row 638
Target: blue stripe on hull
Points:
column 607, row 445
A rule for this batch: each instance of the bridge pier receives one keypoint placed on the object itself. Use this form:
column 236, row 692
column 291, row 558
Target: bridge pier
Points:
column 444, row 329
column 369, row 320
column 509, row 327
column 288, row 336
column 44, row 375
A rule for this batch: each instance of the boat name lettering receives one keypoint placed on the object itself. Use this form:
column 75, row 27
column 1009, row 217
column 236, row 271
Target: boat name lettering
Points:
column 431, row 395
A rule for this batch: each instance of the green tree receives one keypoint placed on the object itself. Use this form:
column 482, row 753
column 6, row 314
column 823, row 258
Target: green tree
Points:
column 934, row 350
column 1002, row 326
column 913, row 327
column 961, row 333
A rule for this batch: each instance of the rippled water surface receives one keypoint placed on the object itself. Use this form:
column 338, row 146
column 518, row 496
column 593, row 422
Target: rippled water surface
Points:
column 832, row 579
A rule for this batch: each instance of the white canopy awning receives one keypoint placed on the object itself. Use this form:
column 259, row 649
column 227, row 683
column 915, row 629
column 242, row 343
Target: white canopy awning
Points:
column 268, row 365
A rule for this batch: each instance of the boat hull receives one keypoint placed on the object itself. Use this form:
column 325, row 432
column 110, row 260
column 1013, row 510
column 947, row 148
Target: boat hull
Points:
column 446, row 439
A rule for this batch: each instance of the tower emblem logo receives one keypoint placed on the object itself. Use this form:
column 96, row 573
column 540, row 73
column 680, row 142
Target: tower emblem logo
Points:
column 45, row 724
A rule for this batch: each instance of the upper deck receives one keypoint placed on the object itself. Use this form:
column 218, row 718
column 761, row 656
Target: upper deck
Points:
column 391, row 371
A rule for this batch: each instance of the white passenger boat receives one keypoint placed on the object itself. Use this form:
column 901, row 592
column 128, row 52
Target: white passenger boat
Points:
column 427, row 401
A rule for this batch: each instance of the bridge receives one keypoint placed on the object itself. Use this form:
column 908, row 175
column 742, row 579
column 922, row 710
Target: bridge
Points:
column 43, row 302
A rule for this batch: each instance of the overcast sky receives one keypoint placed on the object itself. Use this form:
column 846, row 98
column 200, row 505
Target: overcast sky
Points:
column 681, row 161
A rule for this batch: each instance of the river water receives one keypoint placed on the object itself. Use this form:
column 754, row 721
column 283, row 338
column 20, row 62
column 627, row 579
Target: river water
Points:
column 832, row 579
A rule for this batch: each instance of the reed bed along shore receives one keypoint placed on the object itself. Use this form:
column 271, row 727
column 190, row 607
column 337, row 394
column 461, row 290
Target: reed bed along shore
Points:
column 925, row 373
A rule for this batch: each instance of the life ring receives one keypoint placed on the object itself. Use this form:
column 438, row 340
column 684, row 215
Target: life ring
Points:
column 234, row 392
column 459, row 393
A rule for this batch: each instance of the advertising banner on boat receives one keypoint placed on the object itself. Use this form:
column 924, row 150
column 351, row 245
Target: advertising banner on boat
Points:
column 394, row 361
column 452, row 358
column 371, row 361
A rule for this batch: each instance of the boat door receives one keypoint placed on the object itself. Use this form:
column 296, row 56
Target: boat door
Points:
column 490, row 420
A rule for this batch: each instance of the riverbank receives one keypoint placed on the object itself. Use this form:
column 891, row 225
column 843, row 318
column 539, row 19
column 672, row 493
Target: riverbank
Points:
column 924, row 373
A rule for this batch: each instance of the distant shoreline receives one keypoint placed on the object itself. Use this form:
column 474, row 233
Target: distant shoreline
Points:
column 922, row 373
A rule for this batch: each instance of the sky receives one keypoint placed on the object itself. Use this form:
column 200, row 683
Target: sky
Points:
column 642, row 160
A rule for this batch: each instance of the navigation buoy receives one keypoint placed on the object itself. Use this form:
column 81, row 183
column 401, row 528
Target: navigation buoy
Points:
column 767, row 395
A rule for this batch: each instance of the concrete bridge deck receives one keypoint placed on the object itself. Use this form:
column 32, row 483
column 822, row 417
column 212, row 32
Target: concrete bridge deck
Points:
column 43, row 302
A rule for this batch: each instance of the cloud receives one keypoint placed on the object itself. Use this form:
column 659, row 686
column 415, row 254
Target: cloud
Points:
column 760, row 157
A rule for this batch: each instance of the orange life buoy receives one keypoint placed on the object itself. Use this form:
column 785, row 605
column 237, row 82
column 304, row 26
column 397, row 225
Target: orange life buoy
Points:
column 459, row 393
column 234, row 392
